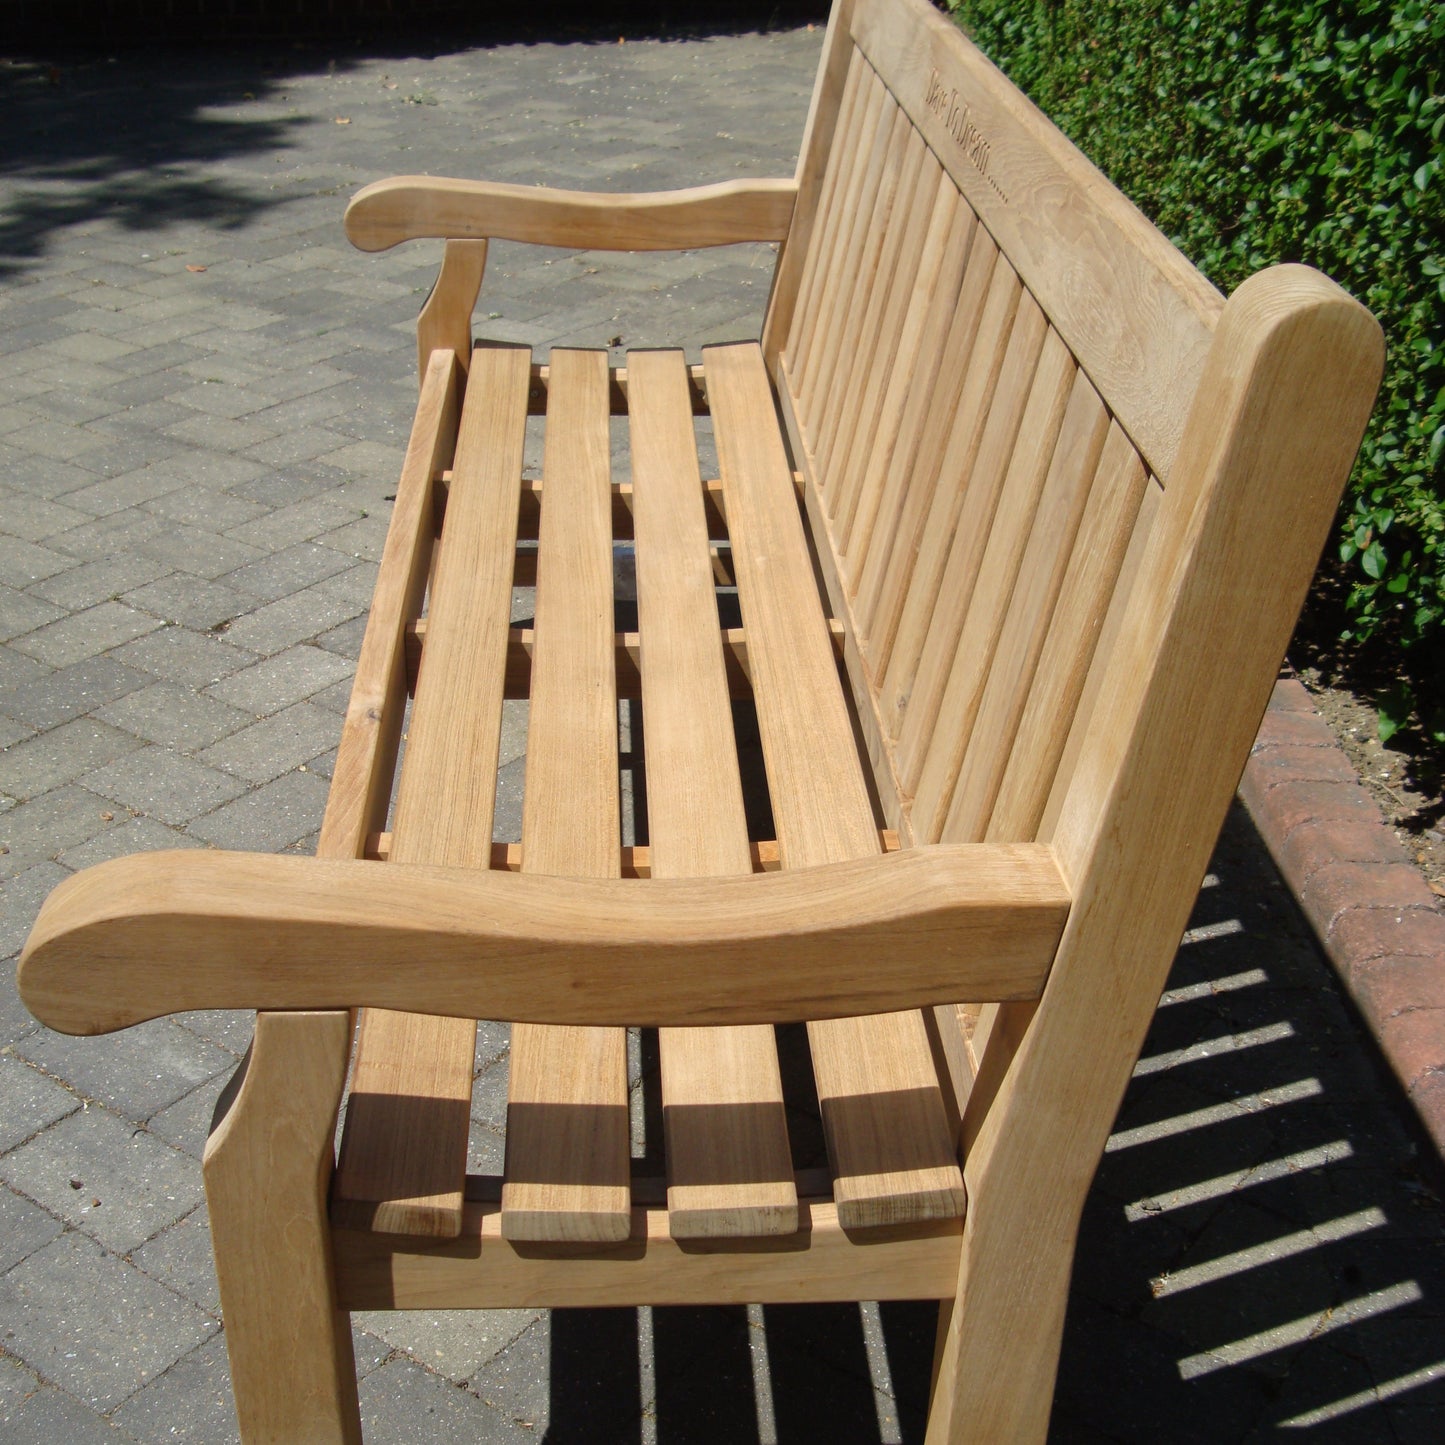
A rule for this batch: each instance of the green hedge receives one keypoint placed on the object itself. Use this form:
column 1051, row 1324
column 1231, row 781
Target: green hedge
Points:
column 1304, row 131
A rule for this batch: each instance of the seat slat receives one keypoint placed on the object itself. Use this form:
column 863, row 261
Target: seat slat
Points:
column 568, row 1152
column 883, row 1114
column 729, row 1168
column 1030, row 610
column 404, row 1150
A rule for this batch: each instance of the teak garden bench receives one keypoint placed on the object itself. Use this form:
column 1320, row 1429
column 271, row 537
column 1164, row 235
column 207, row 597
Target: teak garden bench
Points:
column 1019, row 513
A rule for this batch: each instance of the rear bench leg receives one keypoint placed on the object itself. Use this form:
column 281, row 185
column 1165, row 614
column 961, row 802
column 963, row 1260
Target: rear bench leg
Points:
column 267, row 1167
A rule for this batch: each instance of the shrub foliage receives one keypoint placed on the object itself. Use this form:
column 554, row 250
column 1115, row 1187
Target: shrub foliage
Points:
column 1257, row 131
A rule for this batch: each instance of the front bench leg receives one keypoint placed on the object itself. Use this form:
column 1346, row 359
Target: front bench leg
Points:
column 267, row 1168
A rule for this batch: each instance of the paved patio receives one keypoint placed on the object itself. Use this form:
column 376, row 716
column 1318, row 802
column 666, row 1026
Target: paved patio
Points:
column 204, row 396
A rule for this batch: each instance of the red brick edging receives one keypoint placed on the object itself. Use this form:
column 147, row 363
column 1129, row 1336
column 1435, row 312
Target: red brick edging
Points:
column 1376, row 918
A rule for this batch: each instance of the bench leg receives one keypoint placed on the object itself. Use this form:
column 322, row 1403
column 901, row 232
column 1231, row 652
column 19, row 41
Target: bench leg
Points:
column 996, row 1355
column 267, row 1168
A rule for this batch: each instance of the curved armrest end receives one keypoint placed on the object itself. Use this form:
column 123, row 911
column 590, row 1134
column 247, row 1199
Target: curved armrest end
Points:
column 407, row 208
column 163, row 933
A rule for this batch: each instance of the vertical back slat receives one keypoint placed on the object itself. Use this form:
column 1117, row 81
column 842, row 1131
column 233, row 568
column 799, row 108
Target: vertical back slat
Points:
column 859, row 344
column 908, row 271
column 932, row 296
column 935, row 736
column 1030, row 611
column 1118, row 606
column 877, row 184
column 970, row 480
column 729, row 1168
column 880, row 579
column 567, row 1117
column 843, row 158
column 1095, row 564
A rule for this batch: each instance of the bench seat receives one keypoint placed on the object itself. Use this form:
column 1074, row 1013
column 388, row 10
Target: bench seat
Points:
column 729, row 1167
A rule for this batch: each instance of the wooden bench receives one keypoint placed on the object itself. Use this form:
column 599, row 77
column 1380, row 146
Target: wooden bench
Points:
column 1060, row 504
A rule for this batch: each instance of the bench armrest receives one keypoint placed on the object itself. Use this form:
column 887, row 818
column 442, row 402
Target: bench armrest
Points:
column 406, row 208
column 163, row 933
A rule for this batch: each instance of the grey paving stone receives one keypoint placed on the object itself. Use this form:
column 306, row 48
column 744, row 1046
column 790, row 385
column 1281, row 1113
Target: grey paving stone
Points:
column 269, row 819
column 288, row 677
column 212, row 510
column 16, row 1383
column 84, row 634
column 142, row 1184
column 231, row 1029
column 195, row 549
column 44, row 697
column 51, row 1414
column 120, row 839
column 191, row 1401
column 21, row 613
column 191, row 602
column 174, row 716
column 32, row 517
column 94, row 1324
column 164, row 785
column 298, row 618
column 37, row 830
column 300, row 521
column 128, row 489
column 29, row 1101
column 136, row 1071
column 287, row 572
column 24, row 1228
column 454, row 1343
column 100, row 581
column 61, row 755
column 181, row 655
column 22, row 563
column 402, row 1401
column 180, row 1258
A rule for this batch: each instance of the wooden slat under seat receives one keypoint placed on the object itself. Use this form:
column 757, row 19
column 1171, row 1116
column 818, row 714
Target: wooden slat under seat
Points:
column 888, row 1137
column 403, row 1152
column 729, row 1168
column 568, row 1151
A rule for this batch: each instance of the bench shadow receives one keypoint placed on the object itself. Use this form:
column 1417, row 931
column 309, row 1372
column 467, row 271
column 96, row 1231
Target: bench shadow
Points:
column 1261, row 1251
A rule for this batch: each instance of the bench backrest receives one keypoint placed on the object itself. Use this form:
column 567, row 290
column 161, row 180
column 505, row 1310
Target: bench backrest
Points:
column 1067, row 502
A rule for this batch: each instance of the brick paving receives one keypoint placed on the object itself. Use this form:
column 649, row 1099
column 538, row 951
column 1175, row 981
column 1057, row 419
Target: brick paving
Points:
column 204, row 397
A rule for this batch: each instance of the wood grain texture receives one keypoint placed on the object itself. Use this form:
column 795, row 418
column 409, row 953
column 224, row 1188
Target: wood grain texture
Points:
column 267, row 1165
column 823, row 1261
column 567, row 1116
column 729, row 1168
column 408, row 208
column 360, row 792
column 1095, row 566
column 184, row 930
column 1134, row 312
column 1267, row 446
column 445, row 322
column 821, row 131
column 1026, row 623
column 888, row 1138
column 404, row 1146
